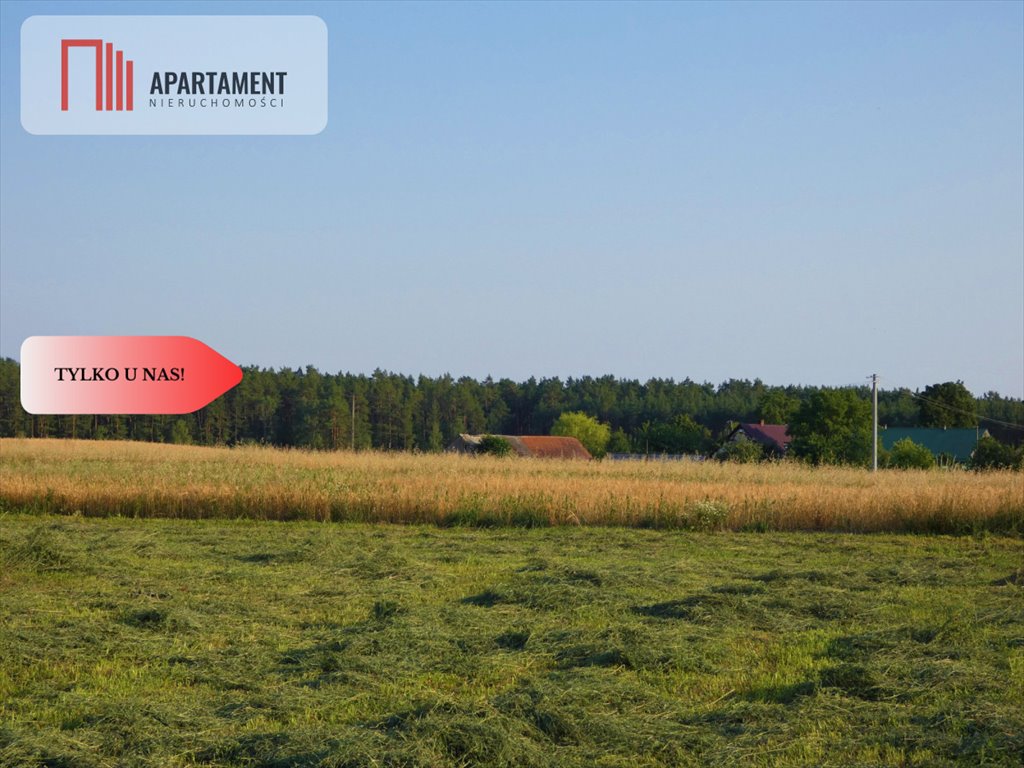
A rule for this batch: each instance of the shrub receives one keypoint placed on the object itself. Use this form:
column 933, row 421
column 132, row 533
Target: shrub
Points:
column 741, row 452
column 906, row 454
column 991, row 454
column 495, row 446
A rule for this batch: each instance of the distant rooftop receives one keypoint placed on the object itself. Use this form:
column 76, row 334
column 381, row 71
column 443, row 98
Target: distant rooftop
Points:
column 958, row 443
column 771, row 435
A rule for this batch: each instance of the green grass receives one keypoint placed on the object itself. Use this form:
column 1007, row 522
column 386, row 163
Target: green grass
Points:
column 185, row 643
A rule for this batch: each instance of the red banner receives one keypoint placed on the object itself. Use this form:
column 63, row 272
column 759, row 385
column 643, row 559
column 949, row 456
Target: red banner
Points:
column 121, row 374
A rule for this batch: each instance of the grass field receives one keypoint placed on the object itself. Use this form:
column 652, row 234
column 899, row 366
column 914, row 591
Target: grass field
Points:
column 240, row 643
column 149, row 480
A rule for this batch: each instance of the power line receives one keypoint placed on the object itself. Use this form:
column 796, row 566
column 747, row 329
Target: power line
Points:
column 968, row 413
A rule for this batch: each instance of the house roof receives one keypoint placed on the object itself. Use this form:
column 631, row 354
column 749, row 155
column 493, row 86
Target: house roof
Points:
column 544, row 446
column 958, row 443
column 772, row 435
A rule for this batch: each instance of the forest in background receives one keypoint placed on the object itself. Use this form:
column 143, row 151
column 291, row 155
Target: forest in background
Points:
column 309, row 409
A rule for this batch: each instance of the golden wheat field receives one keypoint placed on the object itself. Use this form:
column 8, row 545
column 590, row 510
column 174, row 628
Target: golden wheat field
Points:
column 152, row 480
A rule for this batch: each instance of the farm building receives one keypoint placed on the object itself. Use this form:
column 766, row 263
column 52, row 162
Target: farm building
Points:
column 956, row 444
column 537, row 446
column 772, row 436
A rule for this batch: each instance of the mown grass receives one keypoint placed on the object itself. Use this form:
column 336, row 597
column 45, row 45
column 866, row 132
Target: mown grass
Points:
column 238, row 643
column 147, row 480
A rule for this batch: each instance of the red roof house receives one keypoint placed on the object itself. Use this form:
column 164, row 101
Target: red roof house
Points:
column 771, row 436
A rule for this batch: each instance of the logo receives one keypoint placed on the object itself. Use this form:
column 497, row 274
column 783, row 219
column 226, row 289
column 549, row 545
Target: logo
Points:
column 174, row 75
column 122, row 72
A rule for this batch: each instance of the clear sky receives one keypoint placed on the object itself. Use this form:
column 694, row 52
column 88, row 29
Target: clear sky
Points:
column 805, row 193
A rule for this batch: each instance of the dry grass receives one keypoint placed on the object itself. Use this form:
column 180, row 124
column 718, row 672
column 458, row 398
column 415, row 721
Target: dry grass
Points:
column 147, row 480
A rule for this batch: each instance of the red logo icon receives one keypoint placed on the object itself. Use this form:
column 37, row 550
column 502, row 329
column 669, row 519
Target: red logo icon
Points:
column 118, row 70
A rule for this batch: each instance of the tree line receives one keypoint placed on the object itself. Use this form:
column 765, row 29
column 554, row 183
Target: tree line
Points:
column 388, row 411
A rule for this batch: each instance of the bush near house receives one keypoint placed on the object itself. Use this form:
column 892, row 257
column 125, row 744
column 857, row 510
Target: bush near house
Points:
column 741, row 452
column 495, row 446
column 906, row 454
column 991, row 454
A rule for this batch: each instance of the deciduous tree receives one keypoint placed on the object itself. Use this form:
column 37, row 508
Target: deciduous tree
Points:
column 592, row 433
column 948, row 405
column 833, row 426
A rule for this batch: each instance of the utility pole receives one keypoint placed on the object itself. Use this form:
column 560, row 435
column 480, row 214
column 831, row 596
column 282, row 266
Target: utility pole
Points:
column 353, row 421
column 874, row 422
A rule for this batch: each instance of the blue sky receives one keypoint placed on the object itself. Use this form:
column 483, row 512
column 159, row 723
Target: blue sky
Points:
column 804, row 193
